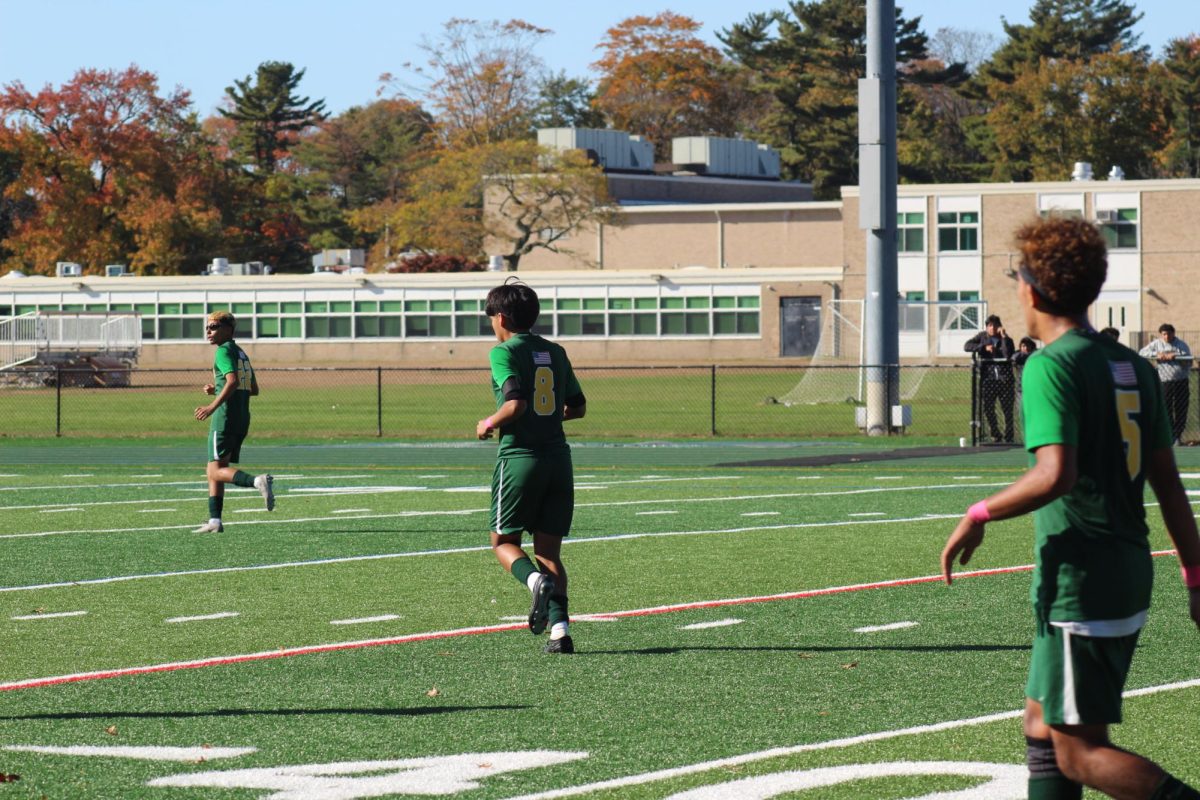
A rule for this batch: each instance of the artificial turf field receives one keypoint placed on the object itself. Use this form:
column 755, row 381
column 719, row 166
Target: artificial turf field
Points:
column 742, row 632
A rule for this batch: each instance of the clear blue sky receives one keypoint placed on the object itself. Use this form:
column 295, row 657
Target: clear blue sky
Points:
column 204, row 45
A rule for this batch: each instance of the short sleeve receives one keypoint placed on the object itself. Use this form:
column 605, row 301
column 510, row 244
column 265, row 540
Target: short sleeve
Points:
column 503, row 369
column 223, row 361
column 1049, row 404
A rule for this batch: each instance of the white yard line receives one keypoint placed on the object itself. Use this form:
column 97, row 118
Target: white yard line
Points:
column 831, row 744
column 59, row 510
column 204, row 617
column 719, row 623
column 361, row 620
column 56, row 615
column 891, row 626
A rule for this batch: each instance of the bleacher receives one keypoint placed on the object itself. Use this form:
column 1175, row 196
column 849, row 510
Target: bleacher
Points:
column 98, row 347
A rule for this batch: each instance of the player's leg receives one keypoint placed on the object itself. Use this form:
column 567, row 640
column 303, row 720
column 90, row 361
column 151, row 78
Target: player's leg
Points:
column 1007, row 397
column 510, row 498
column 217, row 461
column 230, row 447
column 991, row 394
column 553, row 524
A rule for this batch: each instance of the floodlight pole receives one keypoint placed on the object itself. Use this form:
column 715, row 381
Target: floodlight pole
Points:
column 877, row 213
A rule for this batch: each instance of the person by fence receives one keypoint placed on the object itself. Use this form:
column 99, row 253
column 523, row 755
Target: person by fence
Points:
column 992, row 349
column 1173, row 358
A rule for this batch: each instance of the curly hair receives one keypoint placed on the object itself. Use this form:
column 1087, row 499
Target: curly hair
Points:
column 1066, row 259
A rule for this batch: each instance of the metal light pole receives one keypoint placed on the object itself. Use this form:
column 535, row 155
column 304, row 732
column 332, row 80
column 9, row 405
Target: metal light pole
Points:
column 877, row 213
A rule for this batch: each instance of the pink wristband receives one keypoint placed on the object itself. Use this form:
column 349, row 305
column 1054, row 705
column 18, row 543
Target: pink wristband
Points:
column 978, row 513
column 490, row 422
column 1191, row 576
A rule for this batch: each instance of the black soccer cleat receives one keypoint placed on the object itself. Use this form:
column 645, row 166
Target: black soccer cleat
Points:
column 563, row 645
column 539, row 611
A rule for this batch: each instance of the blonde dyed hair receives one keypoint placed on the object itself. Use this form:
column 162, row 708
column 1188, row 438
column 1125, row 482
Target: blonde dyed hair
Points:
column 223, row 318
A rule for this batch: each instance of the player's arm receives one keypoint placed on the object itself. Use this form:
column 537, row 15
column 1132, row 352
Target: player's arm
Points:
column 513, row 402
column 1177, row 514
column 575, row 408
column 1053, row 475
column 253, row 385
column 231, row 385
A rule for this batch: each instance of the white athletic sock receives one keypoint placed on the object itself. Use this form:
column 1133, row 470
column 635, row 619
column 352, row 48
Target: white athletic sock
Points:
column 558, row 630
column 532, row 580
column 214, row 520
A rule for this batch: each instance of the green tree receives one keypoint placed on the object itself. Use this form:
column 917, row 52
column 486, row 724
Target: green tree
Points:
column 268, row 114
column 808, row 62
column 1181, row 61
column 1070, row 29
column 564, row 102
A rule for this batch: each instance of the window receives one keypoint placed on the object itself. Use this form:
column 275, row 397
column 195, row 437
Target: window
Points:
column 958, row 231
column 910, row 232
column 1119, row 228
column 912, row 312
column 958, row 311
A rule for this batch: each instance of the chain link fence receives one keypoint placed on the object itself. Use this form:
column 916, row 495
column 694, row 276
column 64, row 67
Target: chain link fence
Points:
column 638, row 403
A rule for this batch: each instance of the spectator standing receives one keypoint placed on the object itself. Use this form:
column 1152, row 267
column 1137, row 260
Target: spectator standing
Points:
column 1113, row 332
column 1173, row 358
column 993, row 350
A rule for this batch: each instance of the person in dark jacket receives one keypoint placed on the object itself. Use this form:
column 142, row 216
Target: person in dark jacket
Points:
column 993, row 352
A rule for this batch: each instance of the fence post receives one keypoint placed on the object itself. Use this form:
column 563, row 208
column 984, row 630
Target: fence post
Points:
column 712, row 423
column 379, row 401
column 976, row 406
column 58, row 400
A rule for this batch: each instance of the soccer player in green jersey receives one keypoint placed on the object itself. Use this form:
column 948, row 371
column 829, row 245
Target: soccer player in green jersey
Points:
column 532, row 486
column 1097, row 430
column 233, row 385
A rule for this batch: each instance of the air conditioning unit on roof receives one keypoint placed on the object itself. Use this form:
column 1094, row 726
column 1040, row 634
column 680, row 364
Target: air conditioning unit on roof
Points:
column 115, row 270
column 68, row 269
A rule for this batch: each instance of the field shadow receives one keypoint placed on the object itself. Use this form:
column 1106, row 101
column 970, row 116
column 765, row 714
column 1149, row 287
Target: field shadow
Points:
column 955, row 648
column 257, row 712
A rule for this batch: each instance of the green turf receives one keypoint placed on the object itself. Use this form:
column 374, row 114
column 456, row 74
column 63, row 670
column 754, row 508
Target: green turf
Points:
column 643, row 693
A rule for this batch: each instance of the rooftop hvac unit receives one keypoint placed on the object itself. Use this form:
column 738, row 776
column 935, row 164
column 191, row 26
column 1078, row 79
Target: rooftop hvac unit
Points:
column 69, row 269
column 613, row 149
column 115, row 270
column 219, row 266
column 735, row 158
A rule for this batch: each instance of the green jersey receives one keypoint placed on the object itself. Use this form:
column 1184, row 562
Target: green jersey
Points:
column 1093, row 556
column 535, row 370
column 234, row 414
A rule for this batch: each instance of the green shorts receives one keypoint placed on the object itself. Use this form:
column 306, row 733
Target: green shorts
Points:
column 1079, row 679
column 533, row 493
column 225, row 445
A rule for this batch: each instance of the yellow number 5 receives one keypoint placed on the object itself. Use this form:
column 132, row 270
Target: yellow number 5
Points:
column 543, row 392
column 1129, row 404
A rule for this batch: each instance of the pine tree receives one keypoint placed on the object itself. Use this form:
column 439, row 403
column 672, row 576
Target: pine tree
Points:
column 268, row 114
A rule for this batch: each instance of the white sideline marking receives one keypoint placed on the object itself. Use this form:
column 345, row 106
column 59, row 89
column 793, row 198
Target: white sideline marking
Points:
column 449, row 550
column 867, row 514
column 9, row 475
column 892, row 626
column 155, row 510
column 887, row 477
column 80, row 475
column 761, row 514
column 433, row 476
column 184, row 754
column 202, row 617
column 720, row 623
column 155, row 483
column 808, row 478
column 330, row 491
column 351, row 511
column 653, row 513
column 153, row 475
column 966, row 477
column 55, row 615
column 380, row 618
column 250, row 511
column 59, row 510
column 574, row 618
column 831, row 744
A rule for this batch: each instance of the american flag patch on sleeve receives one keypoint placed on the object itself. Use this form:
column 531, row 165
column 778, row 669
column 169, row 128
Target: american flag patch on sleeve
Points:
column 1123, row 374
column 541, row 357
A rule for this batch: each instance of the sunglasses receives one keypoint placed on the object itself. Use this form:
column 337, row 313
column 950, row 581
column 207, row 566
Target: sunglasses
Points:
column 212, row 327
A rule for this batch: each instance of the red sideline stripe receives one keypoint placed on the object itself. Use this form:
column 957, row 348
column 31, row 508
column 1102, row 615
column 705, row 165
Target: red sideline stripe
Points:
column 34, row 683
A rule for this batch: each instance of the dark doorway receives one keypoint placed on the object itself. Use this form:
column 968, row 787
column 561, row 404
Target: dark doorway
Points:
column 799, row 325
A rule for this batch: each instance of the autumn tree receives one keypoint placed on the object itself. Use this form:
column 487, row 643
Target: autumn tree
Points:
column 535, row 198
column 807, row 63
column 1181, row 63
column 360, row 158
column 108, row 171
column 479, row 79
column 1106, row 110
column 660, row 80
column 268, row 115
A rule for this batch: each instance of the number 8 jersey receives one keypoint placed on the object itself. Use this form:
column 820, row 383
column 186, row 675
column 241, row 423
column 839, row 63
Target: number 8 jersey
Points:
column 536, row 370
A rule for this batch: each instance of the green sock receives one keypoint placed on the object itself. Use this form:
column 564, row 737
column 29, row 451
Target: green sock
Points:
column 216, row 503
column 243, row 479
column 1054, row 788
column 558, row 609
column 1174, row 789
column 522, row 568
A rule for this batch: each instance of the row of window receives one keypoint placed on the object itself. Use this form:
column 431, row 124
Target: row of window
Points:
column 958, row 231
column 418, row 319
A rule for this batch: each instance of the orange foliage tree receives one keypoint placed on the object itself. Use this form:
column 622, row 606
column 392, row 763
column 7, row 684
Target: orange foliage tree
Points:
column 660, row 80
column 110, row 172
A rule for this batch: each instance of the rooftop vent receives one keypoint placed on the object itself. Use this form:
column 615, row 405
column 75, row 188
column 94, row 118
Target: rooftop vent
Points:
column 1082, row 171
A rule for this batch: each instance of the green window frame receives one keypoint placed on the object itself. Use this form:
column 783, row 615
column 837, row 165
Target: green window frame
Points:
column 958, row 231
column 910, row 232
column 1122, row 232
